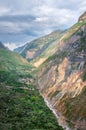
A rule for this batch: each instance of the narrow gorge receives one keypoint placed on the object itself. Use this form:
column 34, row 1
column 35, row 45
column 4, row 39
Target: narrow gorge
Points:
column 43, row 82
column 59, row 66
column 62, row 78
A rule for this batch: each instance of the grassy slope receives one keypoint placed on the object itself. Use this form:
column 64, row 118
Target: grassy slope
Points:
column 49, row 43
column 21, row 106
column 51, row 49
column 43, row 47
column 10, row 60
column 64, row 39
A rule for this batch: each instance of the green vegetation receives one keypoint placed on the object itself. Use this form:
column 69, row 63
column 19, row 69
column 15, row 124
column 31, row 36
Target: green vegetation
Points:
column 50, row 47
column 12, row 61
column 69, row 109
column 24, row 109
column 84, row 76
column 84, row 90
column 74, row 106
column 51, row 95
column 73, row 30
column 82, row 46
column 21, row 106
column 61, row 55
column 52, row 58
column 43, row 47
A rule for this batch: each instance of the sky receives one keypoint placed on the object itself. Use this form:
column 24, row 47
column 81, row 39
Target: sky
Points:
column 24, row 20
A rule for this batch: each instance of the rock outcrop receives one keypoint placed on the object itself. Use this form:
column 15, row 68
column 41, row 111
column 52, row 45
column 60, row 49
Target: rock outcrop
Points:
column 82, row 17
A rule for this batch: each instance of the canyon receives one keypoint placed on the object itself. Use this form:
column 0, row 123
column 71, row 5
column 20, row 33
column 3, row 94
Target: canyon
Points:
column 62, row 80
column 47, row 75
column 59, row 61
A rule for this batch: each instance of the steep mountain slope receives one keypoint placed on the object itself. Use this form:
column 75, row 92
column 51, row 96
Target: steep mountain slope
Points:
column 11, row 61
column 40, row 49
column 62, row 78
column 21, row 106
column 19, row 50
column 82, row 17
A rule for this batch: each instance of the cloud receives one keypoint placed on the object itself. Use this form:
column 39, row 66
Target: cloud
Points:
column 9, row 27
column 23, row 21
column 83, row 6
column 4, row 11
column 41, row 19
column 11, row 46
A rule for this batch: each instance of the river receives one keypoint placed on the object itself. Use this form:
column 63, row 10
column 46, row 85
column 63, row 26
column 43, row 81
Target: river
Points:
column 59, row 118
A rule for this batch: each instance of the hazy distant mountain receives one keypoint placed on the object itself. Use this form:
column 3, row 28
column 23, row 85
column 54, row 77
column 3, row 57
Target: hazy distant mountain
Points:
column 2, row 46
column 19, row 49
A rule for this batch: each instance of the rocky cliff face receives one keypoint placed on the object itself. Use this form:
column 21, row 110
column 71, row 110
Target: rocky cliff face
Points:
column 62, row 78
column 82, row 17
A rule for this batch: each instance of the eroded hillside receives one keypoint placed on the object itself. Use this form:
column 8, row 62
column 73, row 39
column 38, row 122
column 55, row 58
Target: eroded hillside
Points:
column 62, row 77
